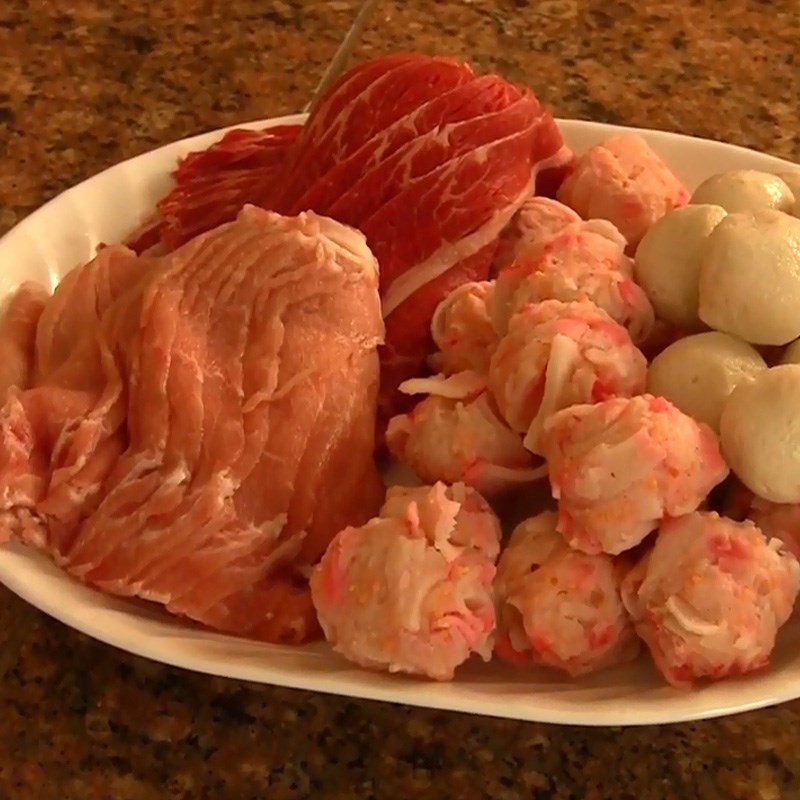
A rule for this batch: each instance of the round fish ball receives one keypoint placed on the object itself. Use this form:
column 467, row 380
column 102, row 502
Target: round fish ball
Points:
column 667, row 262
column 792, row 180
column 698, row 373
column 745, row 190
column 750, row 277
column 760, row 433
column 791, row 355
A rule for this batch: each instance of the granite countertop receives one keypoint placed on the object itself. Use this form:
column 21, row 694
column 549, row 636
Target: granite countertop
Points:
column 84, row 84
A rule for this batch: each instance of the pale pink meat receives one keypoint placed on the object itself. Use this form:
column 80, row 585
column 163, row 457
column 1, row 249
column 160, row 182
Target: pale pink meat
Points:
column 585, row 260
column 559, row 607
column 620, row 467
column 462, row 329
column 461, row 438
column 18, row 336
column 201, row 424
column 557, row 354
column 623, row 180
column 709, row 598
column 536, row 222
column 410, row 591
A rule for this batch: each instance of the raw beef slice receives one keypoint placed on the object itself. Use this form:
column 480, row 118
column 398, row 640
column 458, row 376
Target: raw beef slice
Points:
column 213, row 185
column 200, row 425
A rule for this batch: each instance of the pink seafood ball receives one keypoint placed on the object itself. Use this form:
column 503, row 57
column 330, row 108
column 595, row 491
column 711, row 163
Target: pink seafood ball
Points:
column 584, row 261
column 620, row 467
column 397, row 594
column 538, row 219
column 462, row 329
column 710, row 597
column 458, row 516
column 556, row 354
column 558, row 607
column 623, row 180
column 461, row 439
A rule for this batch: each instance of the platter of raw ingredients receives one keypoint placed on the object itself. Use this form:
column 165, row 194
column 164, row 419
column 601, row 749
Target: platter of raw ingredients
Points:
column 428, row 397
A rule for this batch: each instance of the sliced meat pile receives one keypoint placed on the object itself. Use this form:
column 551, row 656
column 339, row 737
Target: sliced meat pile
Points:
column 197, row 427
column 430, row 161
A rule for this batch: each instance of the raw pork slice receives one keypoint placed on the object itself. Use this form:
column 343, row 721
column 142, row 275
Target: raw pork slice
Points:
column 200, row 425
column 18, row 337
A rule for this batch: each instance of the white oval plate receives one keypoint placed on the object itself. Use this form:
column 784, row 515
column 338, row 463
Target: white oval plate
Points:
column 105, row 208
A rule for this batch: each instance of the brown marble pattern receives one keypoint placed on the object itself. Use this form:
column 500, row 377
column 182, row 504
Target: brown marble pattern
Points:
column 85, row 83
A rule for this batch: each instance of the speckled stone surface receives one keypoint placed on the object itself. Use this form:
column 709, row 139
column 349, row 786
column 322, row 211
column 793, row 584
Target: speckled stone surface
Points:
column 84, row 84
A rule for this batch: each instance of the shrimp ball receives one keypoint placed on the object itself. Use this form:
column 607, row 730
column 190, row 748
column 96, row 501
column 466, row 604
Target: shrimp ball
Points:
column 458, row 516
column 708, row 600
column 619, row 467
column 538, row 219
column 580, row 247
column 452, row 440
column 745, row 190
column 556, row 354
column 750, row 277
column 623, row 180
column 462, row 329
column 667, row 263
column 760, row 433
column 558, row 607
column 698, row 373
column 582, row 262
column 397, row 594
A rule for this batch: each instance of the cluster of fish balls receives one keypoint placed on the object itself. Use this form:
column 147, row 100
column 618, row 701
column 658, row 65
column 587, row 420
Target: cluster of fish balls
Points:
column 725, row 269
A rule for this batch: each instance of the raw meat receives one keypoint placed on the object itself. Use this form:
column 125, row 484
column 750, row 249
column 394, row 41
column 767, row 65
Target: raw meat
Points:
column 410, row 591
column 430, row 161
column 18, row 337
column 212, row 186
column 200, row 425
